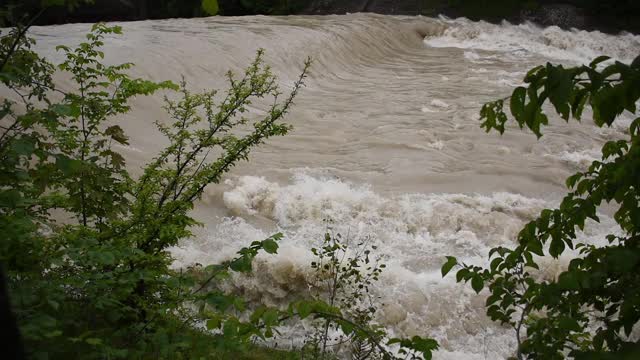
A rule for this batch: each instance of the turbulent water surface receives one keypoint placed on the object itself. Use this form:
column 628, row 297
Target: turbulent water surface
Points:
column 386, row 144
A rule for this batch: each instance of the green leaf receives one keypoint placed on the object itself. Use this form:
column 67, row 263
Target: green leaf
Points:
column 580, row 100
column 569, row 324
column 635, row 64
column 270, row 246
column 477, row 283
column 607, row 104
column 556, row 247
column 451, row 262
column 23, row 146
column 494, row 263
column 93, row 341
column 462, row 274
column 105, row 257
column 54, row 304
column 210, row 7
column 68, row 166
column 220, row 301
column 239, row 304
column 593, row 64
column 214, row 323
column 304, row 309
column 634, row 128
column 569, row 281
column 117, row 134
column 533, row 74
column 517, row 103
column 66, row 110
column 559, row 85
column 257, row 314
column 270, row 317
column 535, row 246
column 346, row 327
column 424, row 346
column 241, row 264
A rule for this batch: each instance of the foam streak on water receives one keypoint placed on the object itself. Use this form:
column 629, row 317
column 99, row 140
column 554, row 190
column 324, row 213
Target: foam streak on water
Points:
column 386, row 144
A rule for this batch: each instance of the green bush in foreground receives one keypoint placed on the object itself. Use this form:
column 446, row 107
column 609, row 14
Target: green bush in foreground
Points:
column 85, row 243
column 590, row 310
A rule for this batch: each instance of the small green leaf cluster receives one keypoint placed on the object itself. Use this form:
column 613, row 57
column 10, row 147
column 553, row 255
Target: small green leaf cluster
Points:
column 590, row 310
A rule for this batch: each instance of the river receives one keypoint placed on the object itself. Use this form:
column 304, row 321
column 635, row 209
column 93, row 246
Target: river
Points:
column 386, row 144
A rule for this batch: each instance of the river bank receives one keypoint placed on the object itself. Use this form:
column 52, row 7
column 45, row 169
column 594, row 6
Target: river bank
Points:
column 585, row 15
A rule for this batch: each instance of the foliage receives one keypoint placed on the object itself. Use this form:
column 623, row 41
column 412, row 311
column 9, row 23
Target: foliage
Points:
column 210, row 7
column 343, row 278
column 345, row 271
column 590, row 310
column 85, row 243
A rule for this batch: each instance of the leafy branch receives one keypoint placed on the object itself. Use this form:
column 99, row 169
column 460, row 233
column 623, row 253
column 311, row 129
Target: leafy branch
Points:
column 599, row 288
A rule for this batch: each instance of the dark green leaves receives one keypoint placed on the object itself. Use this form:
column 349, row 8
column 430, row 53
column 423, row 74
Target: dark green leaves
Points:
column 517, row 102
column 423, row 346
column 609, row 92
column 556, row 247
column 451, row 262
column 116, row 133
column 607, row 104
column 270, row 246
column 67, row 165
column 477, row 283
column 493, row 116
column 559, row 86
column 242, row 264
column 23, row 146
column 593, row 64
column 588, row 304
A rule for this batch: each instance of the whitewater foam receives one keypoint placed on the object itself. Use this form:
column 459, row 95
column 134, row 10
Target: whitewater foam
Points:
column 528, row 39
column 413, row 231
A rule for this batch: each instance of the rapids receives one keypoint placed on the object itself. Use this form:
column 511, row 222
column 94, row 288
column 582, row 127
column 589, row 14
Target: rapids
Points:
column 386, row 143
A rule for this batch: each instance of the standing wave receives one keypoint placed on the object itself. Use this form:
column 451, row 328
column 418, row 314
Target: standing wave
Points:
column 577, row 46
column 414, row 232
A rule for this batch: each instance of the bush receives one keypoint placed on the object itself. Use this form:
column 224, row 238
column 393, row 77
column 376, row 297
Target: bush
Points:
column 590, row 310
column 345, row 270
column 95, row 277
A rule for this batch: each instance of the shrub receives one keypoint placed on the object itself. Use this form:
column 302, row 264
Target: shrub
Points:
column 345, row 270
column 95, row 278
column 590, row 310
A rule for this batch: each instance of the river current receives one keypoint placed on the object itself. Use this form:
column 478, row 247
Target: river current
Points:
column 386, row 144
